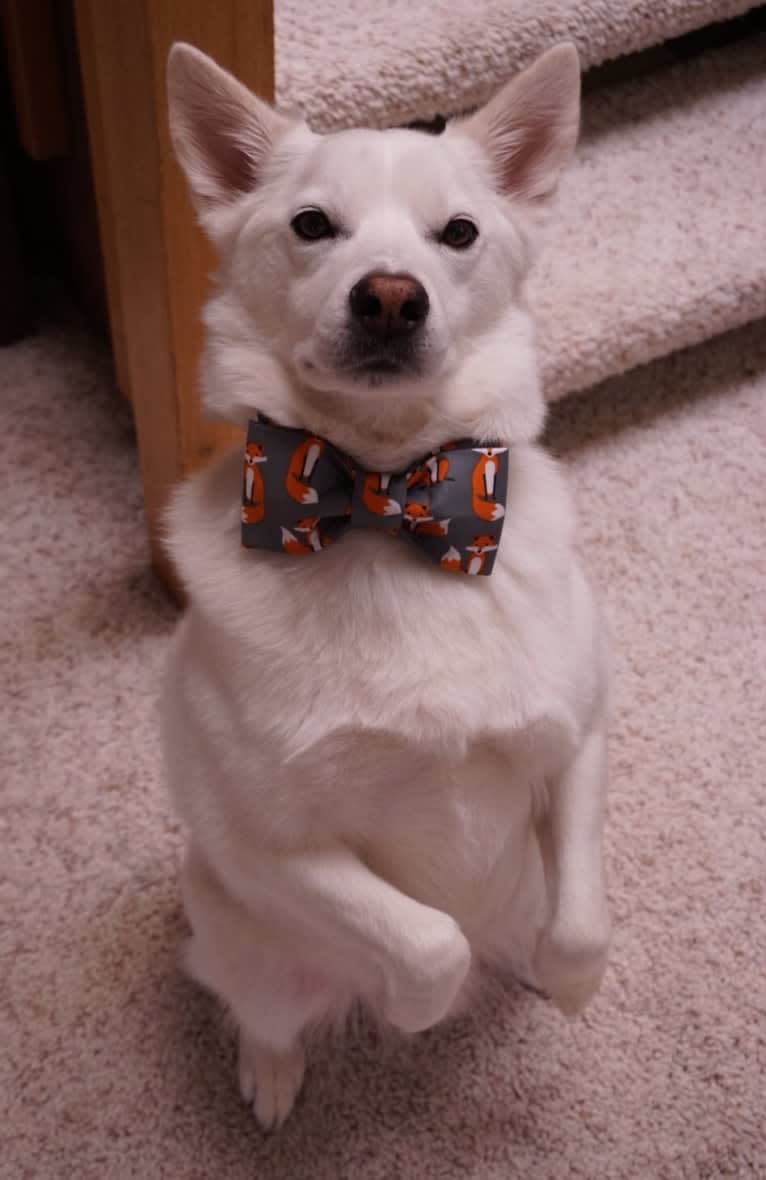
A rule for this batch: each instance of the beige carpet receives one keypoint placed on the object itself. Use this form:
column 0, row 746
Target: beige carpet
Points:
column 403, row 60
column 114, row 1067
column 659, row 236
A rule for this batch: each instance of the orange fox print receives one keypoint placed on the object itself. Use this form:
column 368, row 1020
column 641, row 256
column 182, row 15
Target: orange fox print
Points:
column 416, row 514
column 433, row 528
column 375, row 495
column 478, row 549
column 291, row 544
column 420, row 521
column 302, row 463
column 483, row 501
column 451, row 560
column 252, row 514
column 253, row 508
column 309, row 528
column 434, row 470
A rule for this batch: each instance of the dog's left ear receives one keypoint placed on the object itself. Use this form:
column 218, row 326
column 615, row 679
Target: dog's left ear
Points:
column 222, row 133
column 529, row 129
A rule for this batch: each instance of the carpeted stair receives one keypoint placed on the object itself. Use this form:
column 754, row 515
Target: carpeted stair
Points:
column 351, row 62
column 659, row 238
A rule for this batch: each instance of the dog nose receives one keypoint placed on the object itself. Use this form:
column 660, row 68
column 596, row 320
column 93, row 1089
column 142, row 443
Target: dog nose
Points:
column 389, row 305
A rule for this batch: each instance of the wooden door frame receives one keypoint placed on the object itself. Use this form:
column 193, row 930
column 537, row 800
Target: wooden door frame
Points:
column 156, row 260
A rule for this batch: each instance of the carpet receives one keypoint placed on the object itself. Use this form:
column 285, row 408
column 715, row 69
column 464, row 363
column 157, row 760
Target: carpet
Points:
column 658, row 239
column 405, row 61
column 113, row 1066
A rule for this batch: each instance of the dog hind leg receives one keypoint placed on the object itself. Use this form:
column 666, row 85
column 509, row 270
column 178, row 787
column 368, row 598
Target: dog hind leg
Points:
column 273, row 995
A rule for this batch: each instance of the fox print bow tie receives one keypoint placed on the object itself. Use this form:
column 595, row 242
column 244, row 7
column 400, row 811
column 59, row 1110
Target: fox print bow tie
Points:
column 300, row 493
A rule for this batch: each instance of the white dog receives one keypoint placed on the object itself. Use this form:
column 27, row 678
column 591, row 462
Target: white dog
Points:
column 389, row 772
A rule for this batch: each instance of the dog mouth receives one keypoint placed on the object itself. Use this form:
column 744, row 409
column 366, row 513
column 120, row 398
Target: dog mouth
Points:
column 362, row 361
column 358, row 363
column 380, row 367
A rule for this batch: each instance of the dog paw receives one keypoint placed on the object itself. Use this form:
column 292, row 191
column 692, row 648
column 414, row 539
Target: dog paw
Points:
column 270, row 1079
column 422, row 991
column 570, row 967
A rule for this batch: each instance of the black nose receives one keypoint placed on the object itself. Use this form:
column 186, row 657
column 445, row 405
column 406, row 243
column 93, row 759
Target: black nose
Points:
column 389, row 305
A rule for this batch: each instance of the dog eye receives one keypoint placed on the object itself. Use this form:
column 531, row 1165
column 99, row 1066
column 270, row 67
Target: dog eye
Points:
column 459, row 233
column 312, row 224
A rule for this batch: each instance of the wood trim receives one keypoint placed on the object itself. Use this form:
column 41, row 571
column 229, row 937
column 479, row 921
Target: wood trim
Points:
column 104, row 182
column 34, row 66
column 157, row 260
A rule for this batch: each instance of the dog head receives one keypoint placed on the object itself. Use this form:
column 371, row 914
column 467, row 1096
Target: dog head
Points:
column 372, row 279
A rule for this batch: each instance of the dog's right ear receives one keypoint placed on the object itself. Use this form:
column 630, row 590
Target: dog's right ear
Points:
column 222, row 133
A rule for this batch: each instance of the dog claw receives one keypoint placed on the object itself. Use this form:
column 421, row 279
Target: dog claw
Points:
column 270, row 1080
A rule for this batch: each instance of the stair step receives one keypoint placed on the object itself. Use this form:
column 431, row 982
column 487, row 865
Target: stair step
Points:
column 658, row 239
column 361, row 62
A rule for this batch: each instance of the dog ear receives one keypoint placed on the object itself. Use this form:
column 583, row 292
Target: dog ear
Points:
column 529, row 129
column 222, row 133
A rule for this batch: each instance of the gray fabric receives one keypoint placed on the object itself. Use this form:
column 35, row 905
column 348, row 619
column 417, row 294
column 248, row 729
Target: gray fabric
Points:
column 300, row 494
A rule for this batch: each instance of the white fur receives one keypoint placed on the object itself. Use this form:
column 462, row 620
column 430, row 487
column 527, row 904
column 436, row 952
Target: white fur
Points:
column 389, row 772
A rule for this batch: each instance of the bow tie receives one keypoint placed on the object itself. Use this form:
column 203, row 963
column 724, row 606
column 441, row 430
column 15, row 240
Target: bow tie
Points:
column 300, row 493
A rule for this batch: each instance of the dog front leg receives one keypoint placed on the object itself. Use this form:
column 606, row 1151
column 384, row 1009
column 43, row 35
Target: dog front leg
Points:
column 407, row 958
column 571, row 953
